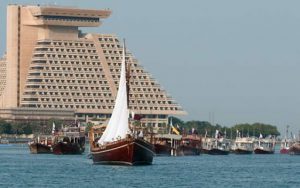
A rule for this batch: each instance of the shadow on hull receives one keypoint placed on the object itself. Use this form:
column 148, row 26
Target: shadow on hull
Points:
column 215, row 152
column 69, row 148
column 37, row 148
column 262, row 151
column 242, row 152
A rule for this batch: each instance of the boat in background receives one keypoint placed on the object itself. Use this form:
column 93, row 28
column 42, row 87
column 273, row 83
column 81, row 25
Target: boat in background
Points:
column 295, row 149
column 42, row 144
column 264, row 145
column 244, row 145
column 190, row 145
column 119, row 143
column 4, row 141
column 70, row 140
column 216, row 146
column 286, row 143
column 166, row 144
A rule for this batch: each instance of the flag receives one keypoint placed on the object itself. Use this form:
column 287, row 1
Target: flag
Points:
column 217, row 134
column 53, row 128
column 175, row 130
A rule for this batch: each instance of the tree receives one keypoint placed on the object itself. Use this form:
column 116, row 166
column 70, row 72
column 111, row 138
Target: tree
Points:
column 5, row 127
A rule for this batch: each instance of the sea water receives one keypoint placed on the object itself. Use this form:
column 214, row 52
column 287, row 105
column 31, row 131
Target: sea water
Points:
column 19, row 168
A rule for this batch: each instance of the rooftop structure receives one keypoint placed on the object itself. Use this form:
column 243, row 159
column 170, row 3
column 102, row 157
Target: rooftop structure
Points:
column 50, row 65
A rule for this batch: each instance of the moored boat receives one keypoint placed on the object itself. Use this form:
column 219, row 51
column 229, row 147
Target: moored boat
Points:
column 285, row 146
column 4, row 141
column 119, row 143
column 69, row 141
column 39, row 148
column 190, row 145
column 166, row 144
column 286, row 143
column 41, row 145
column 264, row 146
column 243, row 145
column 295, row 149
column 216, row 146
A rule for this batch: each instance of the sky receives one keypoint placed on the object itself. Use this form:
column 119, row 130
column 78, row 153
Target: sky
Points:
column 236, row 61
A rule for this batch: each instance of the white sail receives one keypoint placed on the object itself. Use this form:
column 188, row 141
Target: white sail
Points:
column 117, row 127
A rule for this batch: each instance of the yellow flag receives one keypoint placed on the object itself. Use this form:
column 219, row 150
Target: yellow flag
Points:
column 175, row 130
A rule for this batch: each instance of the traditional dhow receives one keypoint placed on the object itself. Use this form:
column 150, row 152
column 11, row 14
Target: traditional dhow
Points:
column 295, row 149
column 41, row 145
column 166, row 144
column 190, row 145
column 216, row 146
column 119, row 144
column 243, row 145
column 264, row 145
column 69, row 141
column 286, row 143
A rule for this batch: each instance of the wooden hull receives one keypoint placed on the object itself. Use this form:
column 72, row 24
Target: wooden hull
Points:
column 162, row 150
column 37, row 148
column 294, row 150
column 187, row 151
column 217, row 152
column 263, row 151
column 124, row 152
column 63, row 148
column 242, row 151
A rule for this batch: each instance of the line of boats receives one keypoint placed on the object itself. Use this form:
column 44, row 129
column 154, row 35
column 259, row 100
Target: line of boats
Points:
column 121, row 142
column 69, row 140
column 220, row 145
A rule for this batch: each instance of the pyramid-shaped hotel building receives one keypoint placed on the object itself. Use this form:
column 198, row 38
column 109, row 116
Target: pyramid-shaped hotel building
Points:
column 53, row 70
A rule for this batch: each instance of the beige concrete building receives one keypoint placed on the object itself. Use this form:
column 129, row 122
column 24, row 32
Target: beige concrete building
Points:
column 53, row 70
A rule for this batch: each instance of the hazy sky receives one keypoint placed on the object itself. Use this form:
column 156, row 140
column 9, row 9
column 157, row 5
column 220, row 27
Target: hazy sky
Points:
column 239, row 60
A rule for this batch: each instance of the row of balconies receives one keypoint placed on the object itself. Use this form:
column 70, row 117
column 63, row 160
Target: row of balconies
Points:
column 113, row 52
column 71, row 63
column 65, row 56
column 110, row 46
column 108, row 39
column 53, row 94
column 73, row 44
column 52, row 104
column 65, row 50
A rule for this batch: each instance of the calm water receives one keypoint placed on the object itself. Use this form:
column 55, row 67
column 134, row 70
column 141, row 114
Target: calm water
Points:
column 18, row 168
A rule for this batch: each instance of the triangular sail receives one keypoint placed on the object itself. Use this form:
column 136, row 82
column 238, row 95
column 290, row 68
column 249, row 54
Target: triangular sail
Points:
column 117, row 127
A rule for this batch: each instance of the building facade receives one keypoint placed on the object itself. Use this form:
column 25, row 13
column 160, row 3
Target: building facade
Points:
column 52, row 68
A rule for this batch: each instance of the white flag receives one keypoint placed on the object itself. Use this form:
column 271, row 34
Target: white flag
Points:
column 217, row 134
column 53, row 128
